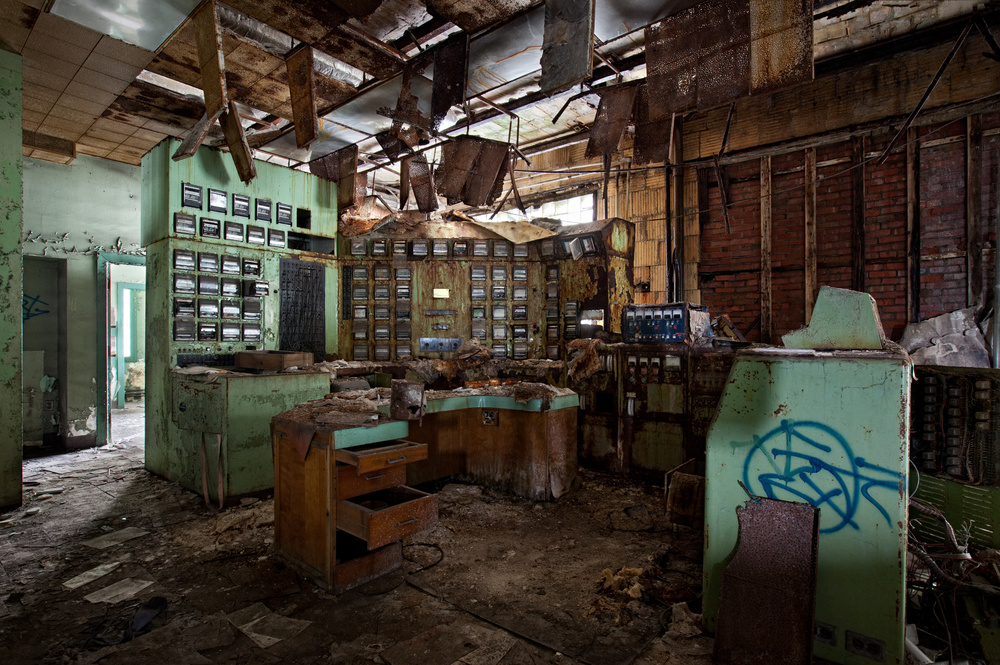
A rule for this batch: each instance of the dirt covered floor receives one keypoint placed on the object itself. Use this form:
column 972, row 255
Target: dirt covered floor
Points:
column 106, row 563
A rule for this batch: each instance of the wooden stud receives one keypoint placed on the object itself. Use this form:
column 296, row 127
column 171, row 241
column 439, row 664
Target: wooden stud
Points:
column 765, row 249
column 811, row 286
column 232, row 127
column 858, row 145
column 210, row 58
column 302, row 89
column 195, row 138
column 912, row 226
column 975, row 293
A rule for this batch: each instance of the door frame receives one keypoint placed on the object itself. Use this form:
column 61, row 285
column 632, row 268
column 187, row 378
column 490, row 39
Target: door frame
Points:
column 104, row 261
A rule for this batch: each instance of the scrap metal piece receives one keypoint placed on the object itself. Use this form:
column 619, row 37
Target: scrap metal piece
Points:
column 567, row 44
column 768, row 596
column 406, row 401
column 672, row 49
column 781, row 44
column 513, row 187
column 236, row 139
column 652, row 136
column 457, row 158
column 404, row 182
column 451, row 63
column 211, row 60
column 483, row 176
column 392, row 145
column 341, row 166
column 611, row 121
column 422, row 181
column 724, row 62
column 302, row 89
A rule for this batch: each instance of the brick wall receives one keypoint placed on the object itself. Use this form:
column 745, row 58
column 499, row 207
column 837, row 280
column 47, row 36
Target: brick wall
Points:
column 885, row 235
column 834, row 204
column 787, row 243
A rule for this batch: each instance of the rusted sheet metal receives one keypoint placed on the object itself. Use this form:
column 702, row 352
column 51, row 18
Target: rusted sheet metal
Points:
column 404, row 182
column 362, row 51
column 457, row 156
column 422, row 181
column 301, row 89
column 450, row 64
column 652, row 136
column 211, row 60
column 767, row 600
column 471, row 167
column 613, row 115
column 237, row 141
column 567, row 44
column 781, row 47
column 391, row 144
column 484, row 173
column 672, row 49
column 475, row 15
column 686, row 499
column 724, row 62
column 406, row 400
column 341, row 166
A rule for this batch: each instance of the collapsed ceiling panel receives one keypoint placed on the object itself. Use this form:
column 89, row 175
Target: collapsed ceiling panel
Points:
column 451, row 63
column 614, row 18
column 475, row 15
column 306, row 20
column 568, row 48
column 724, row 62
column 392, row 19
column 612, row 120
column 652, row 137
column 359, row 50
column 672, row 49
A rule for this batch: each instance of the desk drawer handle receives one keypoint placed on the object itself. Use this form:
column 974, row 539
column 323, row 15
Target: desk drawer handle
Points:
column 409, row 521
column 381, row 475
column 396, row 461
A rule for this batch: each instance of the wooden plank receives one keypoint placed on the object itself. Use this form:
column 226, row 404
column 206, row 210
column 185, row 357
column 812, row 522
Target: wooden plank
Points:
column 211, row 60
column 302, row 89
column 194, row 138
column 976, row 293
column 765, row 249
column 912, row 226
column 858, row 214
column 232, row 127
column 811, row 285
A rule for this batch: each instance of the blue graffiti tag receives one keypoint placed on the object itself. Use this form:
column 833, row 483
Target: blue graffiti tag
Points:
column 30, row 307
column 826, row 476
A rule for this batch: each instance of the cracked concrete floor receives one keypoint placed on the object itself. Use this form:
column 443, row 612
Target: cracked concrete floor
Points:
column 499, row 580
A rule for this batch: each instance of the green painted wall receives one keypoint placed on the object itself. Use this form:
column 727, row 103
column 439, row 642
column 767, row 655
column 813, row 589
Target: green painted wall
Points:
column 10, row 279
column 70, row 214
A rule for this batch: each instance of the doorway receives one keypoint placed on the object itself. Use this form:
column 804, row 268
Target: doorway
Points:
column 122, row 346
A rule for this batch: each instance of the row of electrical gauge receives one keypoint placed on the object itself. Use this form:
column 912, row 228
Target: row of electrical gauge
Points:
column 440, row 248
column 240, row 318
column 187, row 225
column 219, row 202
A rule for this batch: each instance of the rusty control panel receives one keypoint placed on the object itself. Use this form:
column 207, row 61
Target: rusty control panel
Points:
column 673, row 322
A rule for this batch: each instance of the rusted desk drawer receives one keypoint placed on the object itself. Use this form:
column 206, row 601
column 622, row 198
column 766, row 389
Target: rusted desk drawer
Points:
column 352, row 483
column 375, row 456
column 388, row 515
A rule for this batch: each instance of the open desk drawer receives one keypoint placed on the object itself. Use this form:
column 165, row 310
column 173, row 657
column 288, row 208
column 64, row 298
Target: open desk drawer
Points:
column 388, row 515
column 350, row 482
column 375, row 456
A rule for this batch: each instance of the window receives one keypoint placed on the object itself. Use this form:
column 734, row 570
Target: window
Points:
column 575, row 210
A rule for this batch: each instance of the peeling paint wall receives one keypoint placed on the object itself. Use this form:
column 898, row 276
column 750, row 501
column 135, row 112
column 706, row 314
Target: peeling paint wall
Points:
column 71, row 213
column 10, row 279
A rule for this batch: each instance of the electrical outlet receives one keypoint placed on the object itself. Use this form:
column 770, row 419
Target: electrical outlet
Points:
column 491, row 417
column 865, row 646
column 825, row 633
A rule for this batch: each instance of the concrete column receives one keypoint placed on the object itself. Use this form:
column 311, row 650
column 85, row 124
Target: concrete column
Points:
column 10, row 279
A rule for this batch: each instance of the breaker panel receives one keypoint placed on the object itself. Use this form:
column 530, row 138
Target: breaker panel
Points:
column 674, row 322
